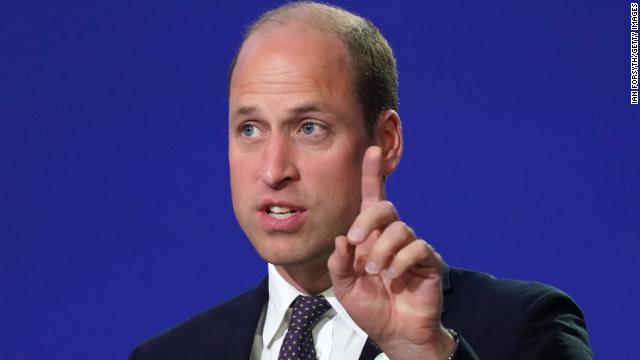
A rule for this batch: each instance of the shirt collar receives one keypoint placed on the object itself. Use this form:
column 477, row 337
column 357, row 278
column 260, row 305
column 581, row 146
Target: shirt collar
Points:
column 282, row 294
column 330, row 295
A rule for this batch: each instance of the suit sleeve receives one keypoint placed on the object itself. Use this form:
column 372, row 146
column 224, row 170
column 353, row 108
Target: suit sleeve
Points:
column 551, row 327
column 464, row 351
column 133, row 354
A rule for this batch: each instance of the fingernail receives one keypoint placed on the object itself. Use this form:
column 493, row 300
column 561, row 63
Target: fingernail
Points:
column 390, row 273
column 371, row 268
column 355, row 235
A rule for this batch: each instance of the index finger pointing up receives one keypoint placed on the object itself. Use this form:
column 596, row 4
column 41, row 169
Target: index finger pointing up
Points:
column 372, row 177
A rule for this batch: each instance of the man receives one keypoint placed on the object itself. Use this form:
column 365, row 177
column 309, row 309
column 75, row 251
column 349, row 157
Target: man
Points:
column 313, row 132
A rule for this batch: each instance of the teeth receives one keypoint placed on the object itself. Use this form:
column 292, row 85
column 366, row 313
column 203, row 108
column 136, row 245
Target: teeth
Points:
column 279, row 210
column 281, row 216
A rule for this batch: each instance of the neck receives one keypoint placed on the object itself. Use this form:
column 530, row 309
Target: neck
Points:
column 309, row 279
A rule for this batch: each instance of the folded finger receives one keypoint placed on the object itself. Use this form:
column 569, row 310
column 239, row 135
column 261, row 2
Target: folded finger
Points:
column 395, row 237
column 418, row 256
column 340, row 263
column 377, row 216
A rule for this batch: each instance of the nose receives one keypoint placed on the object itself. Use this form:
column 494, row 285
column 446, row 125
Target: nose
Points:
column 278, row 163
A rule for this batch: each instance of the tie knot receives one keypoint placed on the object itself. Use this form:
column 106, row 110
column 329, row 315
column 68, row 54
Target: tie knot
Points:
column 308, row 309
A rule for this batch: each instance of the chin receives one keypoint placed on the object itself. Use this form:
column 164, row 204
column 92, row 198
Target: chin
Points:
column 282, row 252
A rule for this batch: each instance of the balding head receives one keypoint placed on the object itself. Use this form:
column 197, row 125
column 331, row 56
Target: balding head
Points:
column 371, row 59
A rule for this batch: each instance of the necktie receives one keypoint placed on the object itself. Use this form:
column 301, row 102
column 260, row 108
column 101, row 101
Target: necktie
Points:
column 298, row 341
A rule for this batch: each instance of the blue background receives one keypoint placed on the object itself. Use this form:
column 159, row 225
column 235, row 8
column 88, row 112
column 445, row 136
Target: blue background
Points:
column 522, row 159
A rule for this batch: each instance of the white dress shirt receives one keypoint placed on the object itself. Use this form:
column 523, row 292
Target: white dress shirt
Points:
column 335, row 335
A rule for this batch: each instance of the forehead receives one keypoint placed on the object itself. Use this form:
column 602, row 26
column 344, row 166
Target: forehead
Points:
column 292, row 59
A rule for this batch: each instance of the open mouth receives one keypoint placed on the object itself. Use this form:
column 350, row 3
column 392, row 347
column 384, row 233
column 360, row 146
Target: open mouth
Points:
column 280, row 212
column 280, row 216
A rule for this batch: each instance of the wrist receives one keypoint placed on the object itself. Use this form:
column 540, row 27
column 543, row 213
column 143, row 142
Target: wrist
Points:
column 441, row 346
column 447, row 344
column 456, row 340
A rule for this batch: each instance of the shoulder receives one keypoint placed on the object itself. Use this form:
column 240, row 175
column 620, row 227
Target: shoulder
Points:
column 511, row 316
column 483, row 288
column 208, row 331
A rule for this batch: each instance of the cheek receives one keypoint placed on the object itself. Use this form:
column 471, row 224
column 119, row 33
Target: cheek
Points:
column 240, row 175
column 241, row 165
column 338, row 176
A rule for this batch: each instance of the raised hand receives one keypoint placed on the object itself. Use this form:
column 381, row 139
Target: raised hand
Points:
column 388, row 280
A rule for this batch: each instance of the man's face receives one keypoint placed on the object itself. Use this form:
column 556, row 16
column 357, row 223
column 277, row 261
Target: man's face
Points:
column 296, row 142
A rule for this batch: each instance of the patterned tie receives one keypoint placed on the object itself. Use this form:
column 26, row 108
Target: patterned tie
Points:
column 298, row 341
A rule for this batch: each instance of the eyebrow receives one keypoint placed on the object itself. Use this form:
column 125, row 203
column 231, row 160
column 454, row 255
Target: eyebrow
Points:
column 302, row 109
column 306, row 108
column 246, row 110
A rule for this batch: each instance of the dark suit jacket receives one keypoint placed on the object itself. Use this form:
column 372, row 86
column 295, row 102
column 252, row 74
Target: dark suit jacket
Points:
column 495, row 318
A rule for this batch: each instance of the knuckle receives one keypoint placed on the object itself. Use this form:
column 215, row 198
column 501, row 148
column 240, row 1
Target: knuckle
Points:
column 411, row 231
column 439, row 263
column 422, row 248
column 399, row 232
column 423, row 245
column 429, row 247
column 398, row 226
column 405, row 230
column 438, row 258
column 388, row 206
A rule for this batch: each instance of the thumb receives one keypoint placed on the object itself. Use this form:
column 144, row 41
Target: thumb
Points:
column 340, row 266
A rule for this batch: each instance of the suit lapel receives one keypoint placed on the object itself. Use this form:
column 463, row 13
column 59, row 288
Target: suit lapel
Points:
column 240, row 328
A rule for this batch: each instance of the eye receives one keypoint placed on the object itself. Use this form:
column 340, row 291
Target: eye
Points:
column 311, row 128
column 248, row 130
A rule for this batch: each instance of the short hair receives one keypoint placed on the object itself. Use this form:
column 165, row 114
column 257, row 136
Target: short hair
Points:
column 375, row 75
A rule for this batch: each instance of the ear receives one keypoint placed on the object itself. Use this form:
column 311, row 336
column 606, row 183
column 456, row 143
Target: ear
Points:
column 388, row 135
